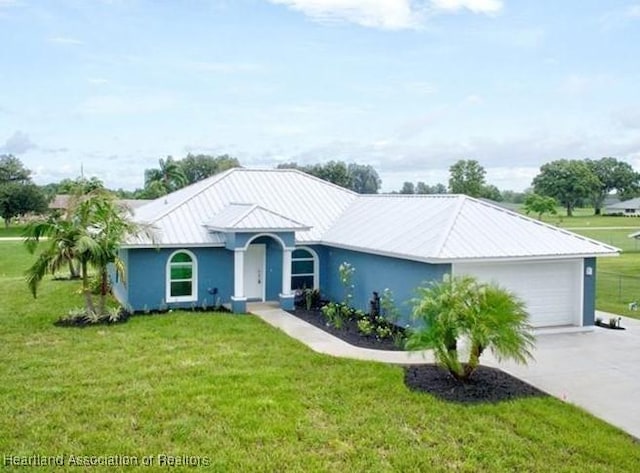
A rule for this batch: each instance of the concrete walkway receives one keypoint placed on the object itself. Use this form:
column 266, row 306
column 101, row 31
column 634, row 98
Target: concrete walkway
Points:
column 597, row 370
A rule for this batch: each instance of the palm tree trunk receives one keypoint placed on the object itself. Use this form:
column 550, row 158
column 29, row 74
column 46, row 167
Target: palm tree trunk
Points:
column 474, row 360
column 86, row 290
column 72, row 270
column 103, row 289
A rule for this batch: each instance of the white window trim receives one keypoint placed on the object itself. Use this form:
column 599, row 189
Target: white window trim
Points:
column 194, row 279
column 316, row 265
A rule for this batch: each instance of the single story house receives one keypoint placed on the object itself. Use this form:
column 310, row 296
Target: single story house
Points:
column 258, row 235
column 629, row 208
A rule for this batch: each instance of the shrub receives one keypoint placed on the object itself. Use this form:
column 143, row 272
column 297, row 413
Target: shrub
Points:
column 336, row 314
column 485, row 314
column 365, row 327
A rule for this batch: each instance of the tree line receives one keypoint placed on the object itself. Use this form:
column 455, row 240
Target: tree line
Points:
column 569, row 183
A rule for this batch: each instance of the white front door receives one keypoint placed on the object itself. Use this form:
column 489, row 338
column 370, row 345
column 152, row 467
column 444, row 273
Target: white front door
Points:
column 254, row 269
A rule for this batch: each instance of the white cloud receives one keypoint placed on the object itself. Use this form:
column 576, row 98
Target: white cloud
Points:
column 385, row 14
column 476, row 6
column 18, row 143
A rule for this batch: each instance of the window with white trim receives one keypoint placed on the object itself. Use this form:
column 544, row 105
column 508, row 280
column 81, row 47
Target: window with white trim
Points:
column 304, row 268
column 182, row 277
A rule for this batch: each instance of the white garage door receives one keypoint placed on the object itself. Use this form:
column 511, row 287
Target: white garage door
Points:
column 551, row 290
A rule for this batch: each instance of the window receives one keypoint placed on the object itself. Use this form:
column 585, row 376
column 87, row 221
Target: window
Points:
column 304, row 268
column 182, row 277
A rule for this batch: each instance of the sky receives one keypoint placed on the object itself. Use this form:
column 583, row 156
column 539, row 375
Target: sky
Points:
column 407, row 86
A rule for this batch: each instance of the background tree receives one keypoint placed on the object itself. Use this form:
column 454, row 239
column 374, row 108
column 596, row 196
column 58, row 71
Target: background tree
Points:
column 18, row 199
column 364, row 178
column 467, row 177
column 491, row 192
column 360, row 178
column 200, row 166
column 613, row 175
column 12, row 170
column 568, row 181
column 407, row 188
column 488, row 316
column 169, row 176
column 18, row 195
column 78, row 186
column 422, row 188
column 540, row 205
column 514, row 197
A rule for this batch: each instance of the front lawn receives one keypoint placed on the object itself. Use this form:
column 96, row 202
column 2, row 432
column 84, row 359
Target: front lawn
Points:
column 233, row 392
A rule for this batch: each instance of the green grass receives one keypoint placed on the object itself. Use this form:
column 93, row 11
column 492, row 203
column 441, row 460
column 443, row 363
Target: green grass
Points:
column 618, row 284
column 584, row 218
column 13, row 230
column 247, row 397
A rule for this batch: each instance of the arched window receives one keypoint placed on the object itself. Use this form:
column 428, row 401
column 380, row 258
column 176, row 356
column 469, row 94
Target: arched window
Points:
column 304, row 269
column 182, row 277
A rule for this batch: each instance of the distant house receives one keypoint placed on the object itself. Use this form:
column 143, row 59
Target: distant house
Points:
column 629, row 208
column 258, row 235
column 61, row 203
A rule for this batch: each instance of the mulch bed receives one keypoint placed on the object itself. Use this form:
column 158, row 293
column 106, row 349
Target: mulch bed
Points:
column 349, row 332
column 486, row 385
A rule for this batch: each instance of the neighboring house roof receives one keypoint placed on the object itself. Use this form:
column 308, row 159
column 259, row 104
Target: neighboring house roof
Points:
column 432, row 228
column 60, row 202
column 626, row 204
column 133, row 203
column 251, row 217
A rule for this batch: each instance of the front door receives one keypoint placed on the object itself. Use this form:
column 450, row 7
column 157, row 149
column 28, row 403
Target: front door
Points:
column 254, row 268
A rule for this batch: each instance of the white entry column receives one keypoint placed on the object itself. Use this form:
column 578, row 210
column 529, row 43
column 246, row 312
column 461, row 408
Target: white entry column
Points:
column 286, row 271
column 238, row 300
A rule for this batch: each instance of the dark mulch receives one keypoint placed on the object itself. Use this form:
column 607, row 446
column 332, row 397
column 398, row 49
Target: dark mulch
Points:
column 349, row 332
column 486, row 385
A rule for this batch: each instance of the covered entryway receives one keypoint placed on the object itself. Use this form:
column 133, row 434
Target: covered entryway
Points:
column 552, row 290
column 262, row 242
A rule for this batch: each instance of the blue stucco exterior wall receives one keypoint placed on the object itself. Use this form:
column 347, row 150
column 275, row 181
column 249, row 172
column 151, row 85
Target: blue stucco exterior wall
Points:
column 147, row 277
column 119, row 287
column 376, row 273
column 240, row 239
column 589, row 292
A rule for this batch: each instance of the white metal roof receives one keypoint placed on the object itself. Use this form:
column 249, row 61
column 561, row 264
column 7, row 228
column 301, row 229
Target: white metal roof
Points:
column 452, row 227
column 180, row 216
column 252, row 217
column 435, row 228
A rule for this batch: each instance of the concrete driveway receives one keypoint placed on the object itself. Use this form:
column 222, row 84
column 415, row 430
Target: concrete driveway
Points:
column 597, row 370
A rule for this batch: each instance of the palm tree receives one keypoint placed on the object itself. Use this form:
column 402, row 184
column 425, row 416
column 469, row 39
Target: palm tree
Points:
column 62, row 237
column 170, row 175
column 100, row 226
column 487, row 315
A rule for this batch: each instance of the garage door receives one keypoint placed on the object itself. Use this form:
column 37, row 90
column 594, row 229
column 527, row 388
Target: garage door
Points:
column 551, row 290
